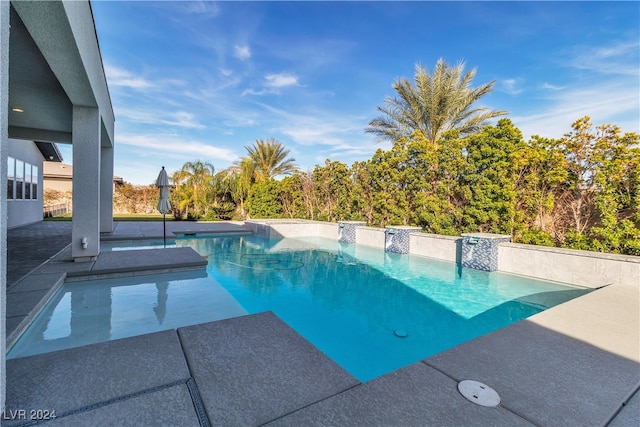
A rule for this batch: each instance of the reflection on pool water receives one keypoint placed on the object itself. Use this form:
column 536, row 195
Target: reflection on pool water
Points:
column 127, row 245
column 370, row 311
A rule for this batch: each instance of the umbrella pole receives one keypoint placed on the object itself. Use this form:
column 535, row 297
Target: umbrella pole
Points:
column 164, row 229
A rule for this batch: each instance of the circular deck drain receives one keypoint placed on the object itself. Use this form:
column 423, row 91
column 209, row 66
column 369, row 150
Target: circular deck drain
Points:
column 478, row 393
column 400, row 333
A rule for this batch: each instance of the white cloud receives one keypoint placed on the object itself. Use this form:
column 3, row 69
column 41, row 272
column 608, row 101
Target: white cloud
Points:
column 256, row 92
column 184, row 119
column 333, row 135
column 139, row 156
column 117, row 76
column 510, row 86
column 179, row 118
column 281, row 80
column 121, row 78
column 313, row 128
column 241, row 52
column 550, row 86
column 307, row 131
column 604, row 102
column 273, row 83
column 177, row 146
column 604, row 87
column 201, row 7
column 619, row 58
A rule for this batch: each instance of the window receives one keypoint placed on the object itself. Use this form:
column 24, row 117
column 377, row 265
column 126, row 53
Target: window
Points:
column 11, row 177
column 22, row 180
column 27, row 181
column 34, row 182
column 19, row 179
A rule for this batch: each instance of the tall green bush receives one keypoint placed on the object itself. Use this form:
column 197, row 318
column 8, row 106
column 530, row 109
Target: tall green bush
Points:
column 264, row 200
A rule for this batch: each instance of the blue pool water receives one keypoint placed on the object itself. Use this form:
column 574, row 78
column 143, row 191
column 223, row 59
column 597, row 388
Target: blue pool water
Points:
column 370, row 311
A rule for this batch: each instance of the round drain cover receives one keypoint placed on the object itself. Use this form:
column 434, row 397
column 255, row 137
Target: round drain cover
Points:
column 478, row 393
column 400, row 333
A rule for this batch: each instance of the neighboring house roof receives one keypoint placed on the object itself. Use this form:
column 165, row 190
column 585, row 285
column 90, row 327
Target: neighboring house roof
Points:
column 56, row 170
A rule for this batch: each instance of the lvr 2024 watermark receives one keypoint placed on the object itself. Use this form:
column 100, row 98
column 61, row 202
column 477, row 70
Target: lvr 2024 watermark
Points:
column 28, row 414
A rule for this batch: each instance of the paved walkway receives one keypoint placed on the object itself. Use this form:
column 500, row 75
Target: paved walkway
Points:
column 575, row 364
column 34, row 244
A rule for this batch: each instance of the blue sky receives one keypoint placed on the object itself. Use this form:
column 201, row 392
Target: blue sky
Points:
column 202, row 80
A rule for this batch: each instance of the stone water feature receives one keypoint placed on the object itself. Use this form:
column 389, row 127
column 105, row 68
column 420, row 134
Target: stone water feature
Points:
column 347, row 231
column 480, row 250
column 397, row 238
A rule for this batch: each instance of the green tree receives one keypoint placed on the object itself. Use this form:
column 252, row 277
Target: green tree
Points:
column 541, row 185
column 363, row 193
column 296, row 197
column 580, row 148
column 194, row 188
column 265, row 160
column 490, row 179
column 240, row 177
column 439, row 199
column 386, row 195
column 618, row 192
column 269, row 158
column 332, row 189
column 433, row 105
column 264, row 199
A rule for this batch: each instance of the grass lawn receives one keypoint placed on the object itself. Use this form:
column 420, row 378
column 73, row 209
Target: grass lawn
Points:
column 119, row 217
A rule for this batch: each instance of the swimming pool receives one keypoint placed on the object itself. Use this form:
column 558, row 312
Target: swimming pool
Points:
column 370, row 311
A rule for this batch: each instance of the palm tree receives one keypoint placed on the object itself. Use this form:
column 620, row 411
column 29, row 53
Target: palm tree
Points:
column 436, row 104
column 266, row 159
column 195, row 183
column 269, row 159
column 240, row 176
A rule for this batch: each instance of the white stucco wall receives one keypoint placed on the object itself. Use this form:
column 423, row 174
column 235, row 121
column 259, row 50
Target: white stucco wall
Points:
column 434, row 246
column 293, row 228
column 328, row 230
column 4, row 128
column 21, row 212
column 370, row 236
column 580, row 268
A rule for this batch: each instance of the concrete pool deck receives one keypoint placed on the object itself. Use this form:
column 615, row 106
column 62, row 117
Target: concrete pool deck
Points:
column 575, row 364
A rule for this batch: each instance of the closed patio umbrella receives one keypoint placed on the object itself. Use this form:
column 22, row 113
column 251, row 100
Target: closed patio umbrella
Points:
column 161, row 306
column 163, row 204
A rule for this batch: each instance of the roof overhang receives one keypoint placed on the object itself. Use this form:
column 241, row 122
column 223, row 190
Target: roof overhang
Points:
column 49, row 151
column 54, row 64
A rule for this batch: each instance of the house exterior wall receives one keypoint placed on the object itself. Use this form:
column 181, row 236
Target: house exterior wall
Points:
column 79, row 70
column 25, row 211
column 4, row 131
column 57, row 176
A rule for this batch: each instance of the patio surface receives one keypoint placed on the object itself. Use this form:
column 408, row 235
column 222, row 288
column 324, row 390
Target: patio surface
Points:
column 575, row 364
